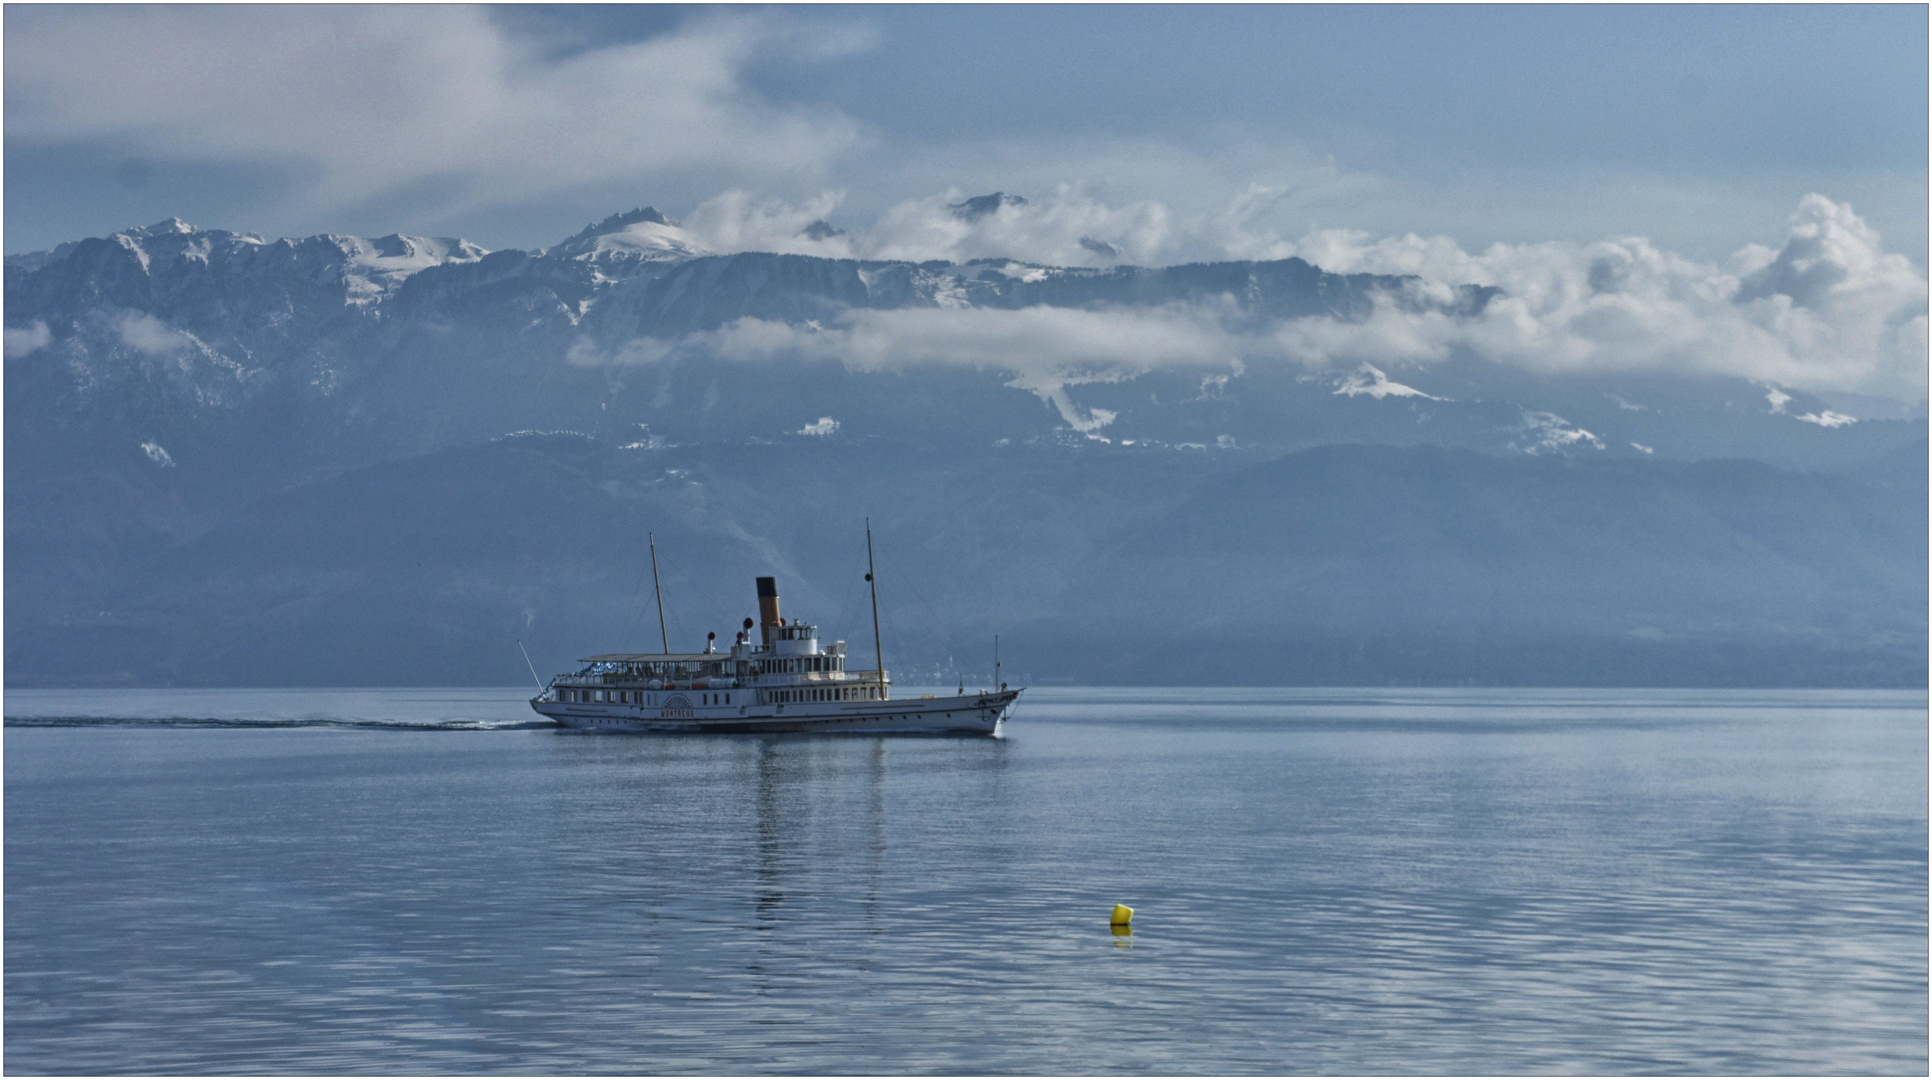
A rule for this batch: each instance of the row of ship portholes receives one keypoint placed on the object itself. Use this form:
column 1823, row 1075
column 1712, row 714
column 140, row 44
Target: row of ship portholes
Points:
column 636, row 697
column 828, row 693
column 783, row 697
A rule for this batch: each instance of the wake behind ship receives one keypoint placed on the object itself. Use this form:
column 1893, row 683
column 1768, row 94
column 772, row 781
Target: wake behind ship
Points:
column 786, row 682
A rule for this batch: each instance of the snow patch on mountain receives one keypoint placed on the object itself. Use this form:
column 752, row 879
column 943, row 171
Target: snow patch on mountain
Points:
column 1828, row 419
column 1051, row 387
column 1547, row 432
column 1369, row 379
column 373, row 269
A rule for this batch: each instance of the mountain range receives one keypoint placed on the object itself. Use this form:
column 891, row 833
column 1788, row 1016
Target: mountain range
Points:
column 342, row 460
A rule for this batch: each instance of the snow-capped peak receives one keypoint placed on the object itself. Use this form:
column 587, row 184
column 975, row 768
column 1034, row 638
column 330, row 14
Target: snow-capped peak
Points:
column 172, row 226
column 642, row 234
column 981, row 205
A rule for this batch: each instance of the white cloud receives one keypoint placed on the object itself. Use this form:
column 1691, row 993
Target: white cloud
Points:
column 27, row 340
column 1830, row 311
column 1045, row 349
column 146, row 334
column 384, row 98
column 1033, row 339
column 1067, row 227
column 644, row 350
column 740, row 221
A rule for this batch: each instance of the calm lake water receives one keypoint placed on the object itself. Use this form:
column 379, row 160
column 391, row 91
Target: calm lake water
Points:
column 1332, row 881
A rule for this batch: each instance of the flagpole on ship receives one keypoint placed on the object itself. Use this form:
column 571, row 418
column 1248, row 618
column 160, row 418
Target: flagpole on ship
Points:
column 659, row 589
column 878, row 642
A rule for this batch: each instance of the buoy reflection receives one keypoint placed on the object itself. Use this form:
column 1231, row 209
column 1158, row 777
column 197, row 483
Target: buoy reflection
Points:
column 1122, row 930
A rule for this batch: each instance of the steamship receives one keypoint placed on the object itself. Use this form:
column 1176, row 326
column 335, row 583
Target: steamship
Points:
column 786, row 681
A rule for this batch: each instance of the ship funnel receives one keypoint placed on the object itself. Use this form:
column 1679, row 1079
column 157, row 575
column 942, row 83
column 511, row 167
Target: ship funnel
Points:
column 767, row 606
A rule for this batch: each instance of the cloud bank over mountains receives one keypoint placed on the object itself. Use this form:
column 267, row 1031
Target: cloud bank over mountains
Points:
column 1830, row 310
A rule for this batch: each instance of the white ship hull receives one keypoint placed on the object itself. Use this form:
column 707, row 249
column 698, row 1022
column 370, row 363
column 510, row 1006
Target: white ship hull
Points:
column 968, row 714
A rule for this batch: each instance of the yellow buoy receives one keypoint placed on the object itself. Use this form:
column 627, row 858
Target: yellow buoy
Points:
column 1123, row 915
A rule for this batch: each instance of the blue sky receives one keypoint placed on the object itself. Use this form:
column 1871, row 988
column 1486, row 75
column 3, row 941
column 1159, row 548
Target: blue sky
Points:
column 1699, row 127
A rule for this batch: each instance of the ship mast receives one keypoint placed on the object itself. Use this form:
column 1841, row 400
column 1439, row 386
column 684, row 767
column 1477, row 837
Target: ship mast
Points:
column 878, row 643
column 659, row 589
